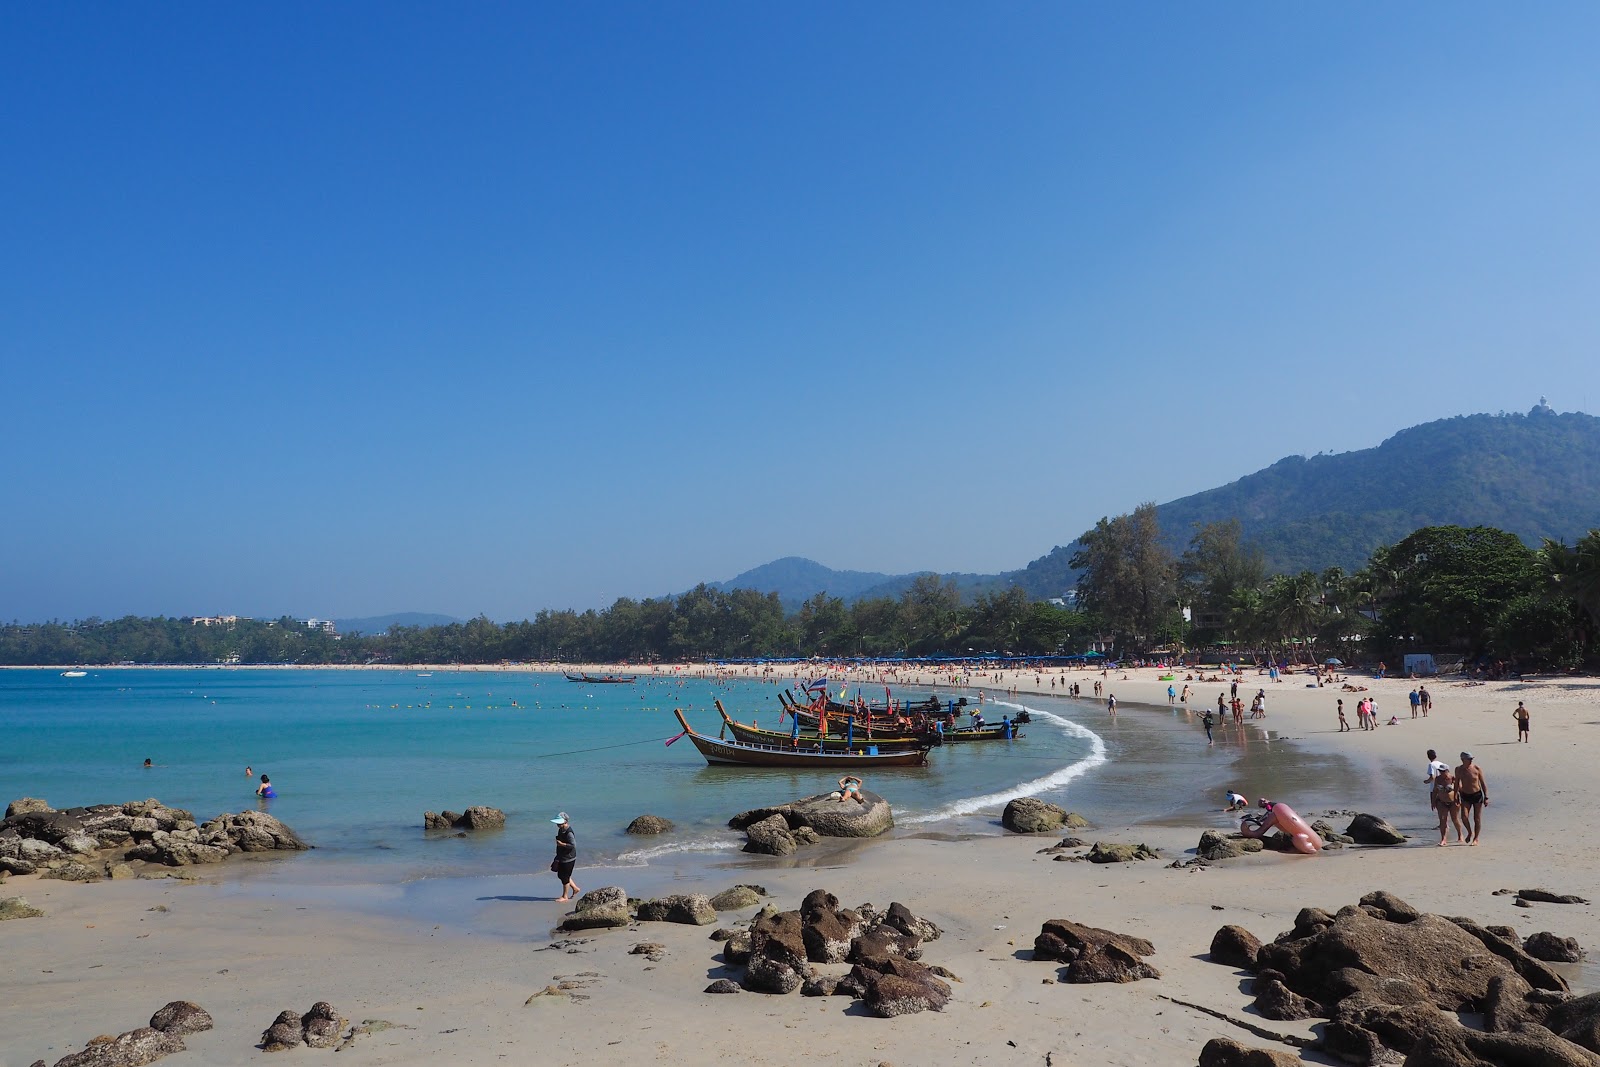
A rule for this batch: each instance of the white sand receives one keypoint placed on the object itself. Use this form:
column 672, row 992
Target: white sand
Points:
column 101, row 962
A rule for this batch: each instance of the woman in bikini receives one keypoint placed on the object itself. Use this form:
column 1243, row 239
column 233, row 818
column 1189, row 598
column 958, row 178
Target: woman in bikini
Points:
column 1445, row 798
column 850, row 789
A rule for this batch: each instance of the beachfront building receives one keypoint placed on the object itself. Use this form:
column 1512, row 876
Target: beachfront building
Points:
column 218, row 620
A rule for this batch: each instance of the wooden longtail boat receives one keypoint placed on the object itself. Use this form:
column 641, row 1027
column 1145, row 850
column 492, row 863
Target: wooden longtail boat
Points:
column 808, row 741
column 743, row 754
column 602, row 679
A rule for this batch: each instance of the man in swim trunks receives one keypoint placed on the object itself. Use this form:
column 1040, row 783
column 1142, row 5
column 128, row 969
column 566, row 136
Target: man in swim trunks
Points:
column 1416, row 703
column 1427, row 700
column 1521, row 715
column 1474, row 791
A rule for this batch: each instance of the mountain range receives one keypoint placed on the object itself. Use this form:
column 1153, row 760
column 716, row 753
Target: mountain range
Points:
column 1536, row 475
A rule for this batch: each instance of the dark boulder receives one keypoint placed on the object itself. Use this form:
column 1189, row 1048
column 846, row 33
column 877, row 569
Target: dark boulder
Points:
column 1544, row 896
column 1553, row 949
column 1371, row 830
column 1108, row 963
column 1534, row 972
column 1226, row 1052
column 1577, row 1020
column 1217, row 846
column 650, row 824
column 1065, row 940
column 1394, row 909
column 1234, row 946
column 476, row 817
column 901, row 918
column 777, row 961
column 1274, row 1000
column 724, row 985
column 24, row 805
column 895, row 987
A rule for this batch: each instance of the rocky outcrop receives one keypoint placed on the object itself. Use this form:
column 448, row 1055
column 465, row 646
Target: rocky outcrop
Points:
column 477, row 817
column 72, row 872
column 1371, row 830
column 724, row 985
column 286, row 1032
column 780, row 830
column 322, row 1025
column 692, row 909
column 23, row 805
column 18, row 908
column 67, row 844
column 1107, row 852
column 1092, row 954
column 781, row 947
column 650, row 824
column 1544, row 896
column 599, row 909
column 132, row 1049
column 736, row 898
column 1392, row 979
column 1030, row 815
column 181, row 1017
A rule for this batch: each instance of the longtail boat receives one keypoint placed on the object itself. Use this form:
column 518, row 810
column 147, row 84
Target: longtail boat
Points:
column 717, row 751
column 808, row 741
column 602, row 679
column 887, row 730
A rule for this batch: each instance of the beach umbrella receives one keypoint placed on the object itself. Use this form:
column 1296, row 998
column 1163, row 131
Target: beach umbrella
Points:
column 1333, row 663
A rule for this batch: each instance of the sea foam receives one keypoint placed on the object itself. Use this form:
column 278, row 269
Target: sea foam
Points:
column 1054, row 780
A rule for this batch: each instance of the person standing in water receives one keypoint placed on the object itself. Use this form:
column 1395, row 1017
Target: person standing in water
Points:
column 566, row 857
column 1205, row 720
column 265, row 790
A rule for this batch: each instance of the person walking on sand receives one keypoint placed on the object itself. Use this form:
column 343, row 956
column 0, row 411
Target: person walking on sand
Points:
column 1416, row 703
column 1521, row 715
column 566, row 858
column 1427, row 700
column 1435, row 765
column 1474, row 790
column 1344, row 723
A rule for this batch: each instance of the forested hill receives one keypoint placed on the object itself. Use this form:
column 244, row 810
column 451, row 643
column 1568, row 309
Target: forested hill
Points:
column 1536, row 475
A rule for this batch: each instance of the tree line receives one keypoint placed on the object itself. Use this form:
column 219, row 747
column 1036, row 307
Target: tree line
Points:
column 928, row 618
column 1475, row 593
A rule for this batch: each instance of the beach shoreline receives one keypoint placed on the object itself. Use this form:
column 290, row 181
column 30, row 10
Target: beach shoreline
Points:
column 101, row 961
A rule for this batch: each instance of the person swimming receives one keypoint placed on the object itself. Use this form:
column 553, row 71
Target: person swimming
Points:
column 265, row 790
column 148, row 765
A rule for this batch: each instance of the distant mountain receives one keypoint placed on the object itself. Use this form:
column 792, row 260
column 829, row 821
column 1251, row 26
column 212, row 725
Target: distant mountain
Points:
column 1536, row 475
column 796, row 580
column 377, row 624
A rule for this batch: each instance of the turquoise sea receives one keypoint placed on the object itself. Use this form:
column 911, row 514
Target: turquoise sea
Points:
column 358, row 756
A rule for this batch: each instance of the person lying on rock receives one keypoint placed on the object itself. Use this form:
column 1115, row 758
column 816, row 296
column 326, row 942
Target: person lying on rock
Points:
column 849, row 789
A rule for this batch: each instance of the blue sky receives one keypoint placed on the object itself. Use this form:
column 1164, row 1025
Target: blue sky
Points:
column 360, row 308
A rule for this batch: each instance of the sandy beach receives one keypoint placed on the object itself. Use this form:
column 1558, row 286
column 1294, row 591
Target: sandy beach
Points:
column 101, row 960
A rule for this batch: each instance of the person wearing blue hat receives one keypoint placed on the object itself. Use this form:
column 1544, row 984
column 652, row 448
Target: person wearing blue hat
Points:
column 566, row 857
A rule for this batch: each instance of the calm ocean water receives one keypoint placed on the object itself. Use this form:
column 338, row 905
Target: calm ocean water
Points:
column 357, row 756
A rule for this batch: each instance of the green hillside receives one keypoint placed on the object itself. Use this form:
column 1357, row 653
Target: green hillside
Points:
column 1536, row 475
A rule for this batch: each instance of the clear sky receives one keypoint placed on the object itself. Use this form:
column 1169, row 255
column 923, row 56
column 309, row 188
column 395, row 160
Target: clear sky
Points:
column 356, row 308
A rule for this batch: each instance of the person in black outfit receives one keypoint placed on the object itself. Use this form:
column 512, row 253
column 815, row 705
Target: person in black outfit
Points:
column 566, row 858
